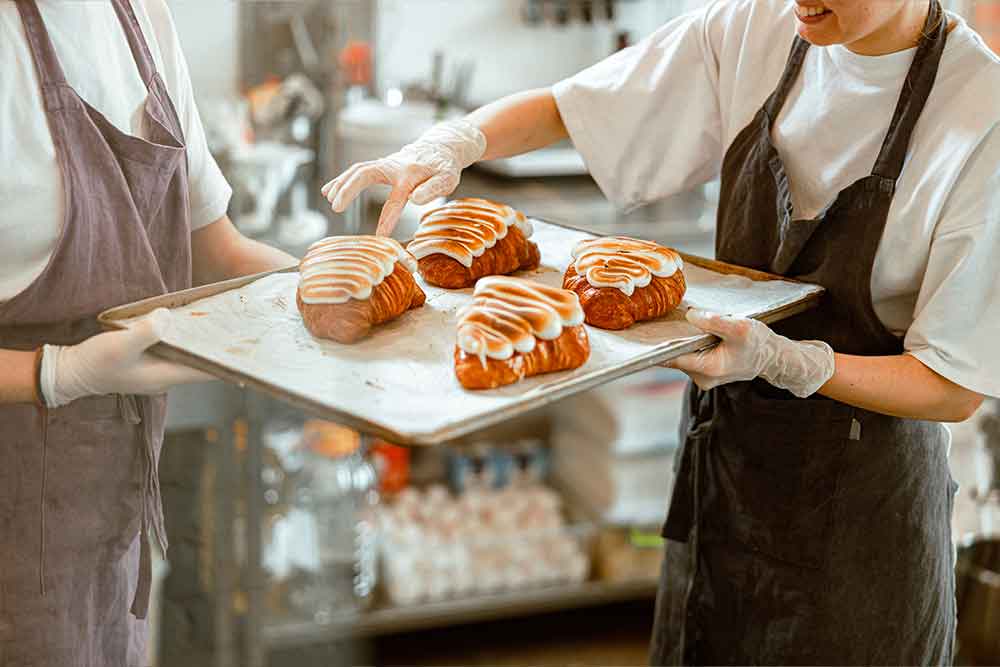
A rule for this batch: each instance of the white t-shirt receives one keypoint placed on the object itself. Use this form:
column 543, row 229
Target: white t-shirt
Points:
column 98, row 63
column 656, row 119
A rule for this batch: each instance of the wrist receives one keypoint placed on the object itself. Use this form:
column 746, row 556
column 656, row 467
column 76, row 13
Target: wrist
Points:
column 37, row 395
column 55, row 375
column 801, row 367
column 465, row 141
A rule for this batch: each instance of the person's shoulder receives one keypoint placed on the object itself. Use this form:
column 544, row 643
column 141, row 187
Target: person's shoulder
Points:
column 159, row 18
column 970, row 71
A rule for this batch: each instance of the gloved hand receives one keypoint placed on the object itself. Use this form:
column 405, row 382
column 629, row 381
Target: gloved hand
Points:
column 428, row 168
column 113, row 363
column 750, row 349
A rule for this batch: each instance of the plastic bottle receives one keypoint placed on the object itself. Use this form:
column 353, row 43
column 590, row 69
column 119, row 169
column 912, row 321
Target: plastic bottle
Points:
column 338, row 488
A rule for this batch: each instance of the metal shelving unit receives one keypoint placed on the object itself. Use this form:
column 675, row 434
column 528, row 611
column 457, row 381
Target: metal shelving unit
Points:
column 241, row 596
column 393, row 620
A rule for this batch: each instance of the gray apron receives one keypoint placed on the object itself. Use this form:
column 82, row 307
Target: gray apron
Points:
column 79, row 496
column 807, row 531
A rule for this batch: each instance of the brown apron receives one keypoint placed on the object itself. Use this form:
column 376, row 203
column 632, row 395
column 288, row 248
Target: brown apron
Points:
column 79, row 495
column 807, row 531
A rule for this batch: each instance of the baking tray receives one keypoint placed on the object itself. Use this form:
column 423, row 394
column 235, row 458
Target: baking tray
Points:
column 399, row 383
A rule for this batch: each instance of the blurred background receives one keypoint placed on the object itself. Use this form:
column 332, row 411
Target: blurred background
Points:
column 299, row 542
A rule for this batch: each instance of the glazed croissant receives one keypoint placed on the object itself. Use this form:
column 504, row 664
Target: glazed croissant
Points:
column 466, row 239
column 622, row 281
column 514, row 329
column 351, row 284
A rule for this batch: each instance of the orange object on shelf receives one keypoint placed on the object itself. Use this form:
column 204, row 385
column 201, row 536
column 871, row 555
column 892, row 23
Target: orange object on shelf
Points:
column 329, row 439
column 392, row 464
column 356, row 63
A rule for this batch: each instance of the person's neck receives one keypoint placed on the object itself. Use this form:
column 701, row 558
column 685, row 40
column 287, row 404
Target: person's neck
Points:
column 901, row 32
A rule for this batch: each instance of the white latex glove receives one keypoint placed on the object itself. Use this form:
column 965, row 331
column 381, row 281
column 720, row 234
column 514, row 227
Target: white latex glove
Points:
column 750, row 349
column 420, row 172
column 113, row 363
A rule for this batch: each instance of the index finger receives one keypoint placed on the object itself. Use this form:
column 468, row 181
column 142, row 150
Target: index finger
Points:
column 392, row 211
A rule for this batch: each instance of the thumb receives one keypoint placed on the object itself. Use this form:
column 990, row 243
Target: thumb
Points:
column 170, row 374
column 722, row 326
column 149, row 331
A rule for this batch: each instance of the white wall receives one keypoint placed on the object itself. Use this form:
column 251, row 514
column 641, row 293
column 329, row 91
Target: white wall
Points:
column 208, row 34
column 509, row 55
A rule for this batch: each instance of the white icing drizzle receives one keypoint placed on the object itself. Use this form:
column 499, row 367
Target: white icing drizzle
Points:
column 339, row 268
column 624, row 263
column 508, row 314
column 464, row 228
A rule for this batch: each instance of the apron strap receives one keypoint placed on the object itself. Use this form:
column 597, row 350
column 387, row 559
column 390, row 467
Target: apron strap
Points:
column 135, row 410
column 50, row 73
column 916, row 89
column 136, row 41
column 774, row 103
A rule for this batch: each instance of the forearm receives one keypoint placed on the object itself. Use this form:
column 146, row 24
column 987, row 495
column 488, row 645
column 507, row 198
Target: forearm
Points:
column 519, row 123
column 901, row 386
column 249, row 257
column 220, row 252
column 18, row 377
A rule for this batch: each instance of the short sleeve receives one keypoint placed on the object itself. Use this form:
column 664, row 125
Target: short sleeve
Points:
column 956, row 327
column 647, row 120
column 208, row 189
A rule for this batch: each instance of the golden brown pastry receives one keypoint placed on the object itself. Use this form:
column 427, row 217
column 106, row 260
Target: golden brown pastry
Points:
column 350, row 284
column 466, row 239
column 516, row 328
column 622, row 281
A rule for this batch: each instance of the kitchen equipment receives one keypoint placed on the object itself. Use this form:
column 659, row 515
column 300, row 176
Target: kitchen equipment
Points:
column 978, row 598
column 987, row 491
column 303, row 225
column 399, row 383
column 262, row 172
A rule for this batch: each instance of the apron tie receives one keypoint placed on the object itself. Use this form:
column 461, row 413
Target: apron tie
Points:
column 152, row 509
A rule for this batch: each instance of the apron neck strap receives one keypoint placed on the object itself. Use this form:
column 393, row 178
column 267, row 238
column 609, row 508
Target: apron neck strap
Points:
column 774, row 103
column 50, row 72
column 136, row 42
column 916, row 89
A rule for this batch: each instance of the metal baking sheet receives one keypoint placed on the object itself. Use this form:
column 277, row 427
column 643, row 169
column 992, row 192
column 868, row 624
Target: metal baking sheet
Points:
column 399, row 383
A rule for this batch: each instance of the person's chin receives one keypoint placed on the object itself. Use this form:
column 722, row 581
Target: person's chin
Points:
column 817, row 36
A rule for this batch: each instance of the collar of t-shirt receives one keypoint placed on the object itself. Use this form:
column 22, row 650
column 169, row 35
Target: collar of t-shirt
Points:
column 871, row 69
